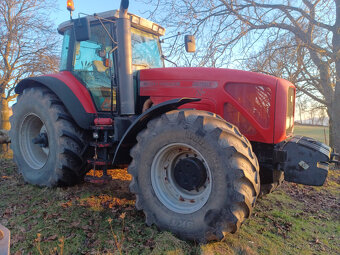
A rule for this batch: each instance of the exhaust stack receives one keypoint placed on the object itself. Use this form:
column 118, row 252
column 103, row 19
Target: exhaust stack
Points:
column 126, row 89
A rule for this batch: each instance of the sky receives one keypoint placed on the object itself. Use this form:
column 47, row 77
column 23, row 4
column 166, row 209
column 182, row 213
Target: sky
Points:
column 61, row 14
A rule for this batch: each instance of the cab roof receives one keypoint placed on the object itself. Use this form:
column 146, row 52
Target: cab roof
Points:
column 136, row 21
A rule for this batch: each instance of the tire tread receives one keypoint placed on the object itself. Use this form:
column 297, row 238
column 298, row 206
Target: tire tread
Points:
column 246, row 184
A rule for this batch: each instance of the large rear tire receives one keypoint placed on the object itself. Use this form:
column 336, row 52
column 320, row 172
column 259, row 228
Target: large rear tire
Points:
column 47, row 145
column 194, row 175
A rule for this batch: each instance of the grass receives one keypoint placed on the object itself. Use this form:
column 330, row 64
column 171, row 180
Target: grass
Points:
column 102, row 219
column 89, row 219
column 316, row 132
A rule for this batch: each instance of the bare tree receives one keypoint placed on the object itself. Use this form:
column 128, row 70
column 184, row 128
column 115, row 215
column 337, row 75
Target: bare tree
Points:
column 27, row 46
column 285, row 58
column 301, row 104
column 229, row 26
column 322, row 116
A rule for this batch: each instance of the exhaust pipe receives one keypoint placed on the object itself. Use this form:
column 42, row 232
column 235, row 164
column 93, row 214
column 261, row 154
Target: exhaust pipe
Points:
column 126, row 89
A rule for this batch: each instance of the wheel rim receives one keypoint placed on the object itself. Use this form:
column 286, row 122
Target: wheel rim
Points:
column 34, row 155
column 177, row 196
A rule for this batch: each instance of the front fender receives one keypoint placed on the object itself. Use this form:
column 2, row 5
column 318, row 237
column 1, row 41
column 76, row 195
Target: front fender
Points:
column 129, row 138
column 67, row 88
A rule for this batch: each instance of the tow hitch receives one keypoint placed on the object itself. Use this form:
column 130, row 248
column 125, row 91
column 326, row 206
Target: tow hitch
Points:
column 305, row 160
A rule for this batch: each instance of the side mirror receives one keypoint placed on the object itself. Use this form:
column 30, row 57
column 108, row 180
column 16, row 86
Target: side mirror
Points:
column 82, row 29
column 190, row 43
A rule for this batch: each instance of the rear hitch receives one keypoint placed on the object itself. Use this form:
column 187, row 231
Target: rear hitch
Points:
column 304, row 160
column 4, row 240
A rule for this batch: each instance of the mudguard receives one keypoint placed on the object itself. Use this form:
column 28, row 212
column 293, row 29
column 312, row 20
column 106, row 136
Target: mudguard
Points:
column 73, row 95
column 129, row 138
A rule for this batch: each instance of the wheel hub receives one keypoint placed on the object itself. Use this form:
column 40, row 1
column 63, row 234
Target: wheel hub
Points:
column 181, row 178
column 190, row 173
column 33, row 142
column 41, row 140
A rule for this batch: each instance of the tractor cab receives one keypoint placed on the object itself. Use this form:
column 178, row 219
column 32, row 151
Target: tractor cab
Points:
column 94, row 61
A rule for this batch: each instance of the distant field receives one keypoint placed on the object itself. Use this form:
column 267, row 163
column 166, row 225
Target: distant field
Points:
column 315, row 132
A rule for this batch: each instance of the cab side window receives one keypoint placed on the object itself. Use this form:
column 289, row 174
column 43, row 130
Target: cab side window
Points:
column 93, row 64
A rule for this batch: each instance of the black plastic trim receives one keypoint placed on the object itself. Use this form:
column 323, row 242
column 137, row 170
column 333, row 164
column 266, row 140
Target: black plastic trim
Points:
column 307, row 161
column 64, row 93
column 129, row 138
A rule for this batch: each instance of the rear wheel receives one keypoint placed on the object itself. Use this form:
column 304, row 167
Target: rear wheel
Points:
column 194, row 175
column 47, row 145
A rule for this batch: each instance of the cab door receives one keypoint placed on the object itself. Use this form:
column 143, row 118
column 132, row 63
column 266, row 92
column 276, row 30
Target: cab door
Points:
column 93, row 65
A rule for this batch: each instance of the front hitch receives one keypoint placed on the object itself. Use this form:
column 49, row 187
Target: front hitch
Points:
column 304, row 160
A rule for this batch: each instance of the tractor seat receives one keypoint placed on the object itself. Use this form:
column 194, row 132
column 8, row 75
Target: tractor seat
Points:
column 100, row 66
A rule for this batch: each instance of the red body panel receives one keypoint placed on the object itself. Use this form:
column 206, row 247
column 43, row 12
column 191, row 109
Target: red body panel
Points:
column 103, row 121
column 78, row 89
column 256, row 103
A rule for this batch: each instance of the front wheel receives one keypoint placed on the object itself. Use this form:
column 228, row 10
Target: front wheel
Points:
column 194, row 175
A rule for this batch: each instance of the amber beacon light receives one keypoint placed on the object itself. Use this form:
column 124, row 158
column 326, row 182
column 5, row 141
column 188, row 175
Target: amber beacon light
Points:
column 70, row 5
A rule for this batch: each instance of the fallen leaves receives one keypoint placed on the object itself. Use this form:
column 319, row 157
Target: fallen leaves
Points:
column 116, row 174
column 98, row 203
column 48, row 216
column 50, row 238
column 66, row 204
column 122, row 216
column 7, row 213
column 75, row 224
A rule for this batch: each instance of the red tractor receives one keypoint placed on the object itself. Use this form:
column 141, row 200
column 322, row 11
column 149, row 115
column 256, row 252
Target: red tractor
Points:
column 200, row 143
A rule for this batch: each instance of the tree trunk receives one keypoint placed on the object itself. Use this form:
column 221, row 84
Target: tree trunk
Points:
column 334, row 125
column 4, row 124
column 335, row 109
column 5, row 114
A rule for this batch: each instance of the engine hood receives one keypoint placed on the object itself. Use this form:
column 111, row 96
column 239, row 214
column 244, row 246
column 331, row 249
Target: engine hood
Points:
column 202, row 74
column 256, row 103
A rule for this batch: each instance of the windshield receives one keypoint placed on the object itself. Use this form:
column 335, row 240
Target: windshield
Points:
column 145, row 50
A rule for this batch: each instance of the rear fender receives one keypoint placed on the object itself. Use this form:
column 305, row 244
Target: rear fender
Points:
column 129, row 138
column 76, row 99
